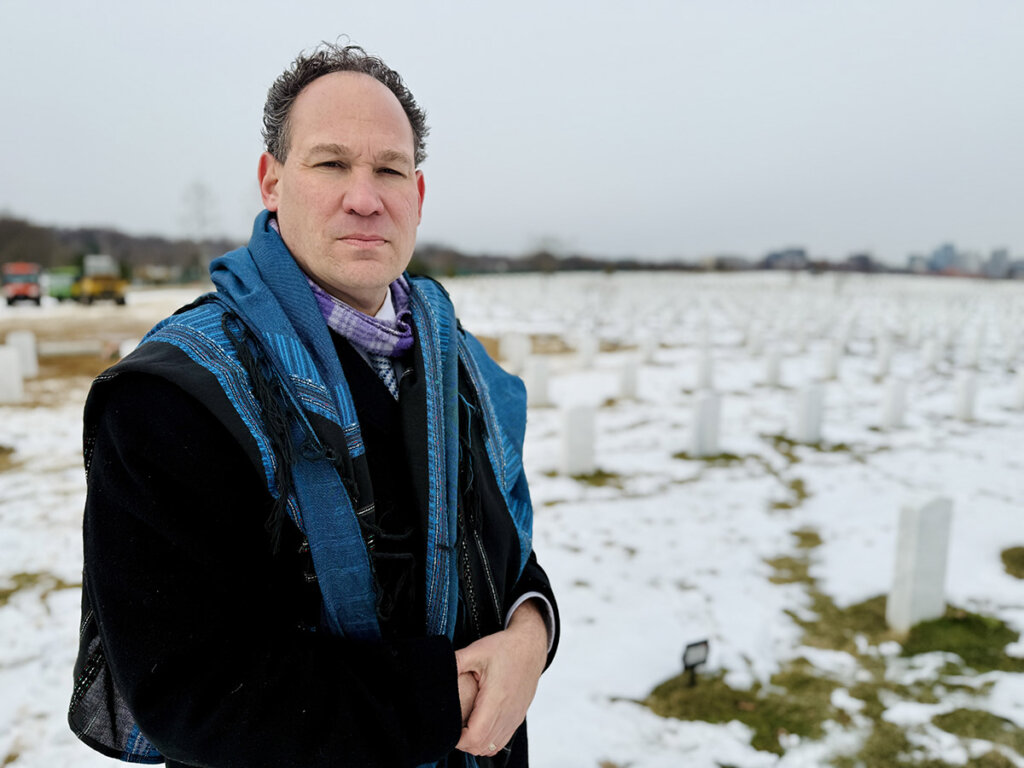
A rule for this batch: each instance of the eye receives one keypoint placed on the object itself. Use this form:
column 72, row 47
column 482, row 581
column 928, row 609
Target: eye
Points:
column 330, row 164
column 392, row 171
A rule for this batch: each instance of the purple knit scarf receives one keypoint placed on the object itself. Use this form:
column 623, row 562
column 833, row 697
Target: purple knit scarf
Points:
column 377, row 337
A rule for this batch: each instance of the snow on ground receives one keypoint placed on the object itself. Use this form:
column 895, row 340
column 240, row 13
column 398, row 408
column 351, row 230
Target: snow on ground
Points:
column 670, row 551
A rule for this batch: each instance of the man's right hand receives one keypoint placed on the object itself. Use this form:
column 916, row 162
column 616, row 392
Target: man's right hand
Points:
column 468, row 688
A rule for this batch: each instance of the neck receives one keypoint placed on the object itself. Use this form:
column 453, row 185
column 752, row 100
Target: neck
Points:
column 368, row 304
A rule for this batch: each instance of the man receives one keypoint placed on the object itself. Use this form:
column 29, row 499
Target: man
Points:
column 307, row 532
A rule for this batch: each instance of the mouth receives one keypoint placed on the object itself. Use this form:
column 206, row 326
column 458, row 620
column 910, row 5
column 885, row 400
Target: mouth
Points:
column 363, row 240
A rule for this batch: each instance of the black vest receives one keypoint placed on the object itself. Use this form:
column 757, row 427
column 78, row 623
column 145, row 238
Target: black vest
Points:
column 395, row 440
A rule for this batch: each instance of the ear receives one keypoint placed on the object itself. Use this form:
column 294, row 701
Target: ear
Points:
column 269, row 174
column 421, row 188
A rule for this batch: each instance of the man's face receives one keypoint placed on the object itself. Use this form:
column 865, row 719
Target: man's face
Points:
column 348, row 198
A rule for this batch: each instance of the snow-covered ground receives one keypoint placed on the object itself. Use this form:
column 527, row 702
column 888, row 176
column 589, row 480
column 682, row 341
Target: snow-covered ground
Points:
column 672, row 550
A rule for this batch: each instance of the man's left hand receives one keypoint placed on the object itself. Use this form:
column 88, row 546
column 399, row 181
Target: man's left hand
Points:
column 507, row 666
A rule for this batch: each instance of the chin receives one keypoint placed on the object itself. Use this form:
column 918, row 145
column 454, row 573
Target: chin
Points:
column 365, row 279
column 373, row 277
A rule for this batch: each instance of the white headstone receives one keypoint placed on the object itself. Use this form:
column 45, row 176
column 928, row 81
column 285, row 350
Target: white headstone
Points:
column 1018, row 396
column 578, row 441
column 71, row 347
column 537, row 379
column 810, row 409
column 513, row 349
column 627, row 380
column 1013, row 350
column 831, row 359
column 12, row 389
column 704, row 333
column 847, row 333
column 587, row 350
column 743, row 328
column 773, row 367
column 647, row 348
column 919, row 578
column 930, row 355
column 965, row 394
column 755, row 341
column 971, row 353
column 881, row 329
column 705, row 370
column 894, row 404
column 706, row 417
column 914, row 333
column 947, row 340
column 884, row 357
column 25, row 343
column 801, row 338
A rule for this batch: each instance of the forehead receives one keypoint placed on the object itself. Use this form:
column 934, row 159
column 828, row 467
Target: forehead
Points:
column 343, row 106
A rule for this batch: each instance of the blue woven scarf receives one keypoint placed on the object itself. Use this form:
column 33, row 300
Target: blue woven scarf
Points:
column 266, row 290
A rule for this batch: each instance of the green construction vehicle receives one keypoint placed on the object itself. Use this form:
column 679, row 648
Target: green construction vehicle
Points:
column 59, row 281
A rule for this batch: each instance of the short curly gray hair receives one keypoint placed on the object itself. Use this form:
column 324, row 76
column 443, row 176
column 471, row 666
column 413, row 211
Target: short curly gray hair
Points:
column 325, row 59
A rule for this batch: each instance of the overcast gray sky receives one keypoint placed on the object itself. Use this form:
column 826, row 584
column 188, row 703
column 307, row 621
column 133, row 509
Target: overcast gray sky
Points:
column 655, row 129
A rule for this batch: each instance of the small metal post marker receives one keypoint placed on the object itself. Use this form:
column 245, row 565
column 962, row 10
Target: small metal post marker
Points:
column 694, row 655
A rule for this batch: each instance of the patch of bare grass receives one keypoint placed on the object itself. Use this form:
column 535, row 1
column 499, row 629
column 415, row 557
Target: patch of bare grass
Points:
column 1013, row 561
column 45, row 582
column 797, row 699
column 600, row 478
column 6, row 458
column 72, row 366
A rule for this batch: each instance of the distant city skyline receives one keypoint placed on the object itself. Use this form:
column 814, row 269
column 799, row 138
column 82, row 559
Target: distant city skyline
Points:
column 676, row 130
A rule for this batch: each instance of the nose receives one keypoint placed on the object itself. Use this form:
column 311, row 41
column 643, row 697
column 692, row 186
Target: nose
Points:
column 362, row 198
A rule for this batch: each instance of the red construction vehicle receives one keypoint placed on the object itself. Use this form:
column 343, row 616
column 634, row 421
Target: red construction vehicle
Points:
column 21, row 281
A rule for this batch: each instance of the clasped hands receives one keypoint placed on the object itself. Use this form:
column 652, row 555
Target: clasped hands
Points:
column 498, row 677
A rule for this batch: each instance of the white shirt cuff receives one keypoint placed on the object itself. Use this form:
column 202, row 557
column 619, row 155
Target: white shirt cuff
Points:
column 548, row 613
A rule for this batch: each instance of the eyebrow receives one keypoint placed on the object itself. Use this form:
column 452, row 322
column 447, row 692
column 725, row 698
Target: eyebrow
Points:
column 340, row 150
column 394, row 156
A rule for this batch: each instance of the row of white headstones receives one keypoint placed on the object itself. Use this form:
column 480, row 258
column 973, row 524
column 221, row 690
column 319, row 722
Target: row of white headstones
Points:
column 918, row 587
column 806, row 424
column 918, row 590
column 20, row 353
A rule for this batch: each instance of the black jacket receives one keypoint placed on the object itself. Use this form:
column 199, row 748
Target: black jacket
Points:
column 212, row 635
